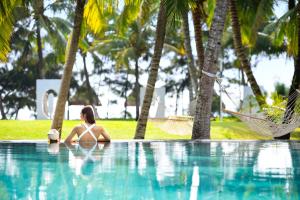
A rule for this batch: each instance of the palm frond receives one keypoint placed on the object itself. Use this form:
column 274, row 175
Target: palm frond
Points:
column 210, row 7
column 94, row 14
column 175, row 9
column 123, row 57
column 148, row 8
column 178, row 50
column 129, row 13
column 264, row 11
column 57, row 33
column 284, row 30
column 6, row 26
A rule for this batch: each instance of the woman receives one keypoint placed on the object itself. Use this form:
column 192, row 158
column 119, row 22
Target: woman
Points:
column 88, row 132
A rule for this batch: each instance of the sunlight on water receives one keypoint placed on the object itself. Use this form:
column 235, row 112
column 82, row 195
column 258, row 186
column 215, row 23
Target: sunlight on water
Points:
column 279, row 165
column 150, row 170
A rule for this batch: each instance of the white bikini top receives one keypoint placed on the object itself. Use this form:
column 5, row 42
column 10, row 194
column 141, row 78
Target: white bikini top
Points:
column 88, row 130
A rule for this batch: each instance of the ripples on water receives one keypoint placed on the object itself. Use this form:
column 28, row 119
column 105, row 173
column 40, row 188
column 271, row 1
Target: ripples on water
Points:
column 150, row 170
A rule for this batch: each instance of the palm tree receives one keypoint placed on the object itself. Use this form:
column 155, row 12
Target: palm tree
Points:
column 241, row 53
column 91, row 96
column 132, row 47
column 159, row 42
column 38, row 7
column 179, row 44
column 55, row 27
column 94, row 14
column 130, row 41
column 70, row 59
column 201, row 126
column 294, row 17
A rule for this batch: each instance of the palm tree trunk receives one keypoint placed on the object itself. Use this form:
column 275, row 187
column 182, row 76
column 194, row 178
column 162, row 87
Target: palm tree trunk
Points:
column 2, row 109
column 70, row 59
column 189, row 54
column 137, row 90
column 40, row 50
column 295, row 84
column 197, row 21
column 86, row 74
column 241, row 54
column 201, row 127
column 88, row 84
column 38, row 11
column 159, row 41
column 190, row 88
column 125, row 95
column 177, row 99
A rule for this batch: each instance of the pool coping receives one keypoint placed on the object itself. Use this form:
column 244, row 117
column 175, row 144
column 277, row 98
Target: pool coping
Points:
column 147, row 141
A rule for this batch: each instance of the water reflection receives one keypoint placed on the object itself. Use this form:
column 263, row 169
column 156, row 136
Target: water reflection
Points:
column 276, row 166
column 150, row 170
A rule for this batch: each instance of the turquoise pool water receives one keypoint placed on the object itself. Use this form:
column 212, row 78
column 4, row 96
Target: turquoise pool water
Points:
column 151, row 170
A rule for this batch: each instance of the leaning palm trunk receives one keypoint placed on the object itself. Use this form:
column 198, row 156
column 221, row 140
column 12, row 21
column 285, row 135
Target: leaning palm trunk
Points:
column 201, row 127
column 241, row 54
column 159, row 41
column 70, row 59
column 187, row 44
column 295, row 84
column 197, row 21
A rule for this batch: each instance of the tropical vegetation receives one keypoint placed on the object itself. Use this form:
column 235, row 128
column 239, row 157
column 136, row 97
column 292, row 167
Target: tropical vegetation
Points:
column 123, row 40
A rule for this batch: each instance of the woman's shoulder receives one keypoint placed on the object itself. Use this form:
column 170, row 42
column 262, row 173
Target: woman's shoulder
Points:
column 78, row 127
column 99, row 127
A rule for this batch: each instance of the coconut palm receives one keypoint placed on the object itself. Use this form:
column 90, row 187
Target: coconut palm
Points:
column 286, row 31
column 70, row 59
column 240, row 49
column 198, row 20
column 95, row 21
column 127, row 49
column 159, row 41
column 178, row 41
column 178, row 11
column 201, row 126
column 296, row 77
column 93, row 100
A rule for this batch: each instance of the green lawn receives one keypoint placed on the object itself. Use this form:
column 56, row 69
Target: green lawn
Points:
column 123, row 129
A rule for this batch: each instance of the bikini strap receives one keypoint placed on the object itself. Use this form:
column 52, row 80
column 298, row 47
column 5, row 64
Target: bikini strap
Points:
column 88, row 129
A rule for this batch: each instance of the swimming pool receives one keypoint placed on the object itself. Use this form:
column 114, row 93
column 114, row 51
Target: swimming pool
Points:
column 151, row 170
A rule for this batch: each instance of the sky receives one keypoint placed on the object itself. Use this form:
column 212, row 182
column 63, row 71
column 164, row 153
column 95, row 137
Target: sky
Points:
column 267, row 72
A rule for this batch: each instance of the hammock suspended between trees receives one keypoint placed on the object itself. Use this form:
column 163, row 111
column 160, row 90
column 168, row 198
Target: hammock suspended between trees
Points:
column 179, row 125
column 274, row 121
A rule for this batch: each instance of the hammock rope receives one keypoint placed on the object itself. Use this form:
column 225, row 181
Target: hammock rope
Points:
column 273, row 121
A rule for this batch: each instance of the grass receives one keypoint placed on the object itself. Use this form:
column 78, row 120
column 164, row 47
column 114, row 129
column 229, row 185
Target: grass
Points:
column 125, row 129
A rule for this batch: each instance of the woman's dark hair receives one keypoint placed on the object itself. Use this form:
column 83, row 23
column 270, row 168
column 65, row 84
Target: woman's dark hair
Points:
column 89, row 114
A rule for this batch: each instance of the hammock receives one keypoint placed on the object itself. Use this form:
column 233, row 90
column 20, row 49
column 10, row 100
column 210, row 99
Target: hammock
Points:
column 178, row 125
column 273, row 121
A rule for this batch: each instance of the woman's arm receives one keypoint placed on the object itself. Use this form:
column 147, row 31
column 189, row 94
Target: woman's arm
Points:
column 105, row 135
column 71, row 135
